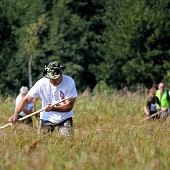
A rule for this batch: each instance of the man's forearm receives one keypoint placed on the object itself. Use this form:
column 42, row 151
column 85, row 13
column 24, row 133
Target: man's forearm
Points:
column 68, row 106
column 21, row 106
column 61, row 108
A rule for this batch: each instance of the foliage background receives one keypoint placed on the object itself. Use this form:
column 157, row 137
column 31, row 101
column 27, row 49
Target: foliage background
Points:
column 116, row 43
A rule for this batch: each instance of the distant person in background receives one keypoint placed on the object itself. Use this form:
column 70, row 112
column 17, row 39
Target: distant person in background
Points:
column 164, row 98
column 150, row 107
column 28, row 109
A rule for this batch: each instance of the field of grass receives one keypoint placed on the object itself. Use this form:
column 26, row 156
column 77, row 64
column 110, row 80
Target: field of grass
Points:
column 109, row 133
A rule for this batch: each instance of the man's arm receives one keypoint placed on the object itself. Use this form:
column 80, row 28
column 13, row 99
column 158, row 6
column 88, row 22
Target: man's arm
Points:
column 66, row 107
column 21, row 106
column 146, row 111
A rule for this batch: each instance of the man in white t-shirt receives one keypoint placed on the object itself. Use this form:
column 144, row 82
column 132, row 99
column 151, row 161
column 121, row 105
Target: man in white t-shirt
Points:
column 52, row 88
column 28, row 109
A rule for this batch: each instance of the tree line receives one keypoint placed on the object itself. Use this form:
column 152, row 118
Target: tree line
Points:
column 115, row 43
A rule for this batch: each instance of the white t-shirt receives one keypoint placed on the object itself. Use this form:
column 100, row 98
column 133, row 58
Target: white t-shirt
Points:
column 52, row 94
column 29, row 106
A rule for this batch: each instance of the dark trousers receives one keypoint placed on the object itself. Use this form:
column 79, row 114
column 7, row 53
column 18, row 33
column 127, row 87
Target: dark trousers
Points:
column 64, row 128
column 27, row 121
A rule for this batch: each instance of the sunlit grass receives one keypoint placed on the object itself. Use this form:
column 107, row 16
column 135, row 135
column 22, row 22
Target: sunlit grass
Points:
column 109, row 133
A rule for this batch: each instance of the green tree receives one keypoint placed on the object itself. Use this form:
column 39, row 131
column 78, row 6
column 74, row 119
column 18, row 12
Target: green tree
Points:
column 30, row 40
column 19, row 19
column 32, row 45
column 7, row 46
column 77, row 33
column 138, row 47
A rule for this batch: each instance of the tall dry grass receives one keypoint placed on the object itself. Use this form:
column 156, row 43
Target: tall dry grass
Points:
column 109, row 134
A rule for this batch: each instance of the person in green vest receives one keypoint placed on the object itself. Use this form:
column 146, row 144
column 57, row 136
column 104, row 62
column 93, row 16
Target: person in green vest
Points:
column 164, row 98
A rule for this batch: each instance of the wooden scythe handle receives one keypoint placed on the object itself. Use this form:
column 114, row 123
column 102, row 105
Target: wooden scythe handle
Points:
column 34, row 113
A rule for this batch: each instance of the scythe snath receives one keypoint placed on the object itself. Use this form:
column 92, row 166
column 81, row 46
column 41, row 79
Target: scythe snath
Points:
column 34, row 113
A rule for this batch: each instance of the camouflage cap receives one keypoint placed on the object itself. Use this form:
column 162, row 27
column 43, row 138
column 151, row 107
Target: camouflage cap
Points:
column 53, row 70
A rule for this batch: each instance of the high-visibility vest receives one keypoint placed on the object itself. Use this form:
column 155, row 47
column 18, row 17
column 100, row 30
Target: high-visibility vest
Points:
column 164, row 100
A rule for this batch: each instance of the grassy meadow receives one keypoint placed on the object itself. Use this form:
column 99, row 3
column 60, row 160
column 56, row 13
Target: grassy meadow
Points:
column 109, row 133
